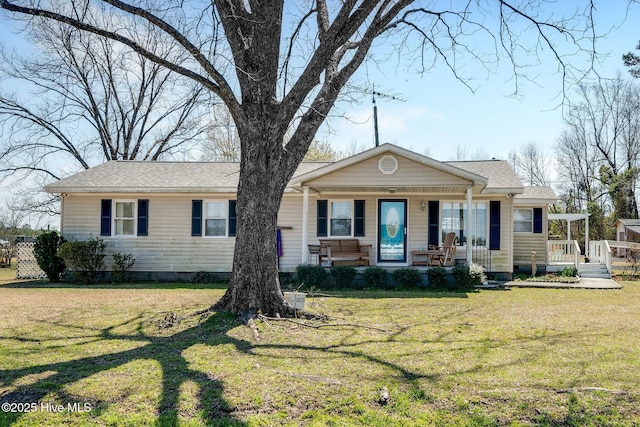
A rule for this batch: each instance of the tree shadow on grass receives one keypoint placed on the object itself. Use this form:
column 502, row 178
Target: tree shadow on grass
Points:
column 32, row 384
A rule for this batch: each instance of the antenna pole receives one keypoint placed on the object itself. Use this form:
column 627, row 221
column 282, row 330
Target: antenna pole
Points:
column 375, row 120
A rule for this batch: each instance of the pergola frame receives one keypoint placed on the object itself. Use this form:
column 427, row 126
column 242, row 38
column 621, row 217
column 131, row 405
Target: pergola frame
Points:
column 574, row 217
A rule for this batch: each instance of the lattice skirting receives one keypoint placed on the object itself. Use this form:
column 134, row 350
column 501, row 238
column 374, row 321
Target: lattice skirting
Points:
column 27, row 266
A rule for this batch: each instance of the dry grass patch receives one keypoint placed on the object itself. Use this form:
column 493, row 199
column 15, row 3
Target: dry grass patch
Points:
column 520, row 357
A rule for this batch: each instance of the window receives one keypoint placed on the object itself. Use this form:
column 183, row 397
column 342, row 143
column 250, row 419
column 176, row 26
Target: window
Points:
column 523, row 220
column 213, row 218
column 341, row 218
column 215, row 221
column 124, row 218
column 454, row 216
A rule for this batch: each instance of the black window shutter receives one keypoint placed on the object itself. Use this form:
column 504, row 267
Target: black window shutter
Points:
column 105, row 217
column 143, row 217
column 232, row 218
column 537, row 220
column 358, row 230
column 434, row 223
column 494, row 225
column 196, row 217
column 322, row 218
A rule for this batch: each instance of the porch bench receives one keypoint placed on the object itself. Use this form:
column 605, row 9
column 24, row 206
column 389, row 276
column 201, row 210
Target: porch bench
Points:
column 344, row 252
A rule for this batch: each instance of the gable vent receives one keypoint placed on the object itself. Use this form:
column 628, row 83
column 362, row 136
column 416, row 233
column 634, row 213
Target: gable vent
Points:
column 388, row 164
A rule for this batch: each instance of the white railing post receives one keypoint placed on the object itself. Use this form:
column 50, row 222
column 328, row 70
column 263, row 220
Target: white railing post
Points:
column 576, row 255
column 607, row 254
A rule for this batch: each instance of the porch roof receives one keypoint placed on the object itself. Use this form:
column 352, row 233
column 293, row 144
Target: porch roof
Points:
column 429, row 176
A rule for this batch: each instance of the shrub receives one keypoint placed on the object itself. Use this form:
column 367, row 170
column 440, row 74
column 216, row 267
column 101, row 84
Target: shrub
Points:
column 407, row 278
column 203, row 277
column 343, row 275
column 46, row 253
column 375, row 277
column 467, row 277
column 122, row 264
column 311, row 275
column 460, row 276
column 437, row 277
column 85, row 258
column 476, row 274
column 569, row 272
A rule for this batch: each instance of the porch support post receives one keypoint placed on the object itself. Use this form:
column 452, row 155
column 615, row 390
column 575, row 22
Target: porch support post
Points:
column 586, row 235
column 468, row 226
column 304, row 250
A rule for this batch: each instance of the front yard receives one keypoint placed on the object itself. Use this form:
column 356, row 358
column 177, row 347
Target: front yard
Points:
column 96, row 356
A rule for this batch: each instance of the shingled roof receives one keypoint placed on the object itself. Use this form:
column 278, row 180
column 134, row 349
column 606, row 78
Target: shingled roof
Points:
column 499, row 173
column 222, row 177
column 158, row 177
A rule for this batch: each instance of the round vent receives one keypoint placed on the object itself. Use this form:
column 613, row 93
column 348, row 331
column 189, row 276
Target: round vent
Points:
column 388, row 164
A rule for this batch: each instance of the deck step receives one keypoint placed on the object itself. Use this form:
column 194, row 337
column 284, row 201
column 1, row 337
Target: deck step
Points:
column 594, row 271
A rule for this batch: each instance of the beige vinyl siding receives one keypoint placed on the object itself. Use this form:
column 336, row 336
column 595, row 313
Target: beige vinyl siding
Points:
column 501, row 260
column 525, row 243
column 169, row 245
column 366, row 173
column 290, row 221
column 370, row 219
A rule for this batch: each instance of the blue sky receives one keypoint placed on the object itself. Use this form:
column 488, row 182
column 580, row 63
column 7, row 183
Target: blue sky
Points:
column 440, row 114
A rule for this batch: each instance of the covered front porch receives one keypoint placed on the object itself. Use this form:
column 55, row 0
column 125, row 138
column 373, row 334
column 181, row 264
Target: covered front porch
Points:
column 399, row 207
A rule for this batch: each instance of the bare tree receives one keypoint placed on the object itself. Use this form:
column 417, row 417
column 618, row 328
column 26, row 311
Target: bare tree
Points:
column 530, row 164
column 288, row 74
column 602, row 143
column 91, row 99
column 463, row 153
column 223, row 143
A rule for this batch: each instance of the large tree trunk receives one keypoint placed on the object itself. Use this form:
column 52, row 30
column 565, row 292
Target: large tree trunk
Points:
column 254, row 284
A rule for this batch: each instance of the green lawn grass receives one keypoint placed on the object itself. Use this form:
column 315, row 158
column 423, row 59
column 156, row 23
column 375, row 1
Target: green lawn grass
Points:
column 95, row 356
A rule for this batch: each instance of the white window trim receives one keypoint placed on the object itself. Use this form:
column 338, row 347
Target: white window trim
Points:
column 464, row 223
column 114, row 203
column 514, row 221
column 330, row 216
column 225, row 204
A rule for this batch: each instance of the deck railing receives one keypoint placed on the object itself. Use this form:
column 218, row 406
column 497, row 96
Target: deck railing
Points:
column 481, row 255
column 564, row 252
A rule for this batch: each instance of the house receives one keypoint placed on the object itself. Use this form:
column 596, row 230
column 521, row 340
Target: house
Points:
column 627, row 230
column 179, row 217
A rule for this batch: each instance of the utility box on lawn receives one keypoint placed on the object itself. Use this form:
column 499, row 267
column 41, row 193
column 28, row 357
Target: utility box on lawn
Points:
column 295, row 299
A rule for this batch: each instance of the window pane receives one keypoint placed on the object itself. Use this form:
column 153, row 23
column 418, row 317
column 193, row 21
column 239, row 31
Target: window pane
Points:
column 341, row 227
column 523, row 215
column 479, row 224
column 125, row 227
column 216, row 210
column 522, row 227
column 341, row 210
column 124, row 209
column 216, row 227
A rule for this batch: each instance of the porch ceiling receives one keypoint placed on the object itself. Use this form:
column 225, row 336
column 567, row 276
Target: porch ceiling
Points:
column 449, row 189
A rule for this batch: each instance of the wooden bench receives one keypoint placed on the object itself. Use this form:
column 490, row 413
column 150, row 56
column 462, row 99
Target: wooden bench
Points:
column 344, row 252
